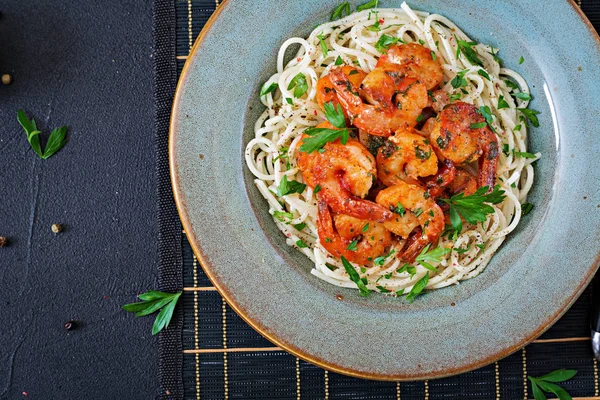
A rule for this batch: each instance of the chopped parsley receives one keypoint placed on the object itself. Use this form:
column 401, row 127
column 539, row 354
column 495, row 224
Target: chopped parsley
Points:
column 366, row 6
column 524, row 154
column 473, row 208
column 317, row 189
column 340, row 10
column 323, row 46
column 523, row 96
column 409, row 269
column 433, row 55
column 266, row 90
column 352, row 245
column 481, row 246
column 511, row 84
column 288, row 187
column 526, row 208
column 376, row 27
column 319, row 137
column 431, row 255
column 335, row 115
column 382, row 289
column 385, row 41
column 354, row 277
column 365, row 228
column 482, row 72
column 478, row 125
column 521, row 60
column 487, row 114
column 289, row 101
column 339, row 61
column 283, row 216
column 467, row 49
column 299, row 84
column 379, row 261
column 300, row 243
column 400, row 209
column 418, row 212
column 517, row 127
column 459, row 80
column 502, row 103
column 418, row 288
column 531, row 116
column 300, row 226
column 460, row 250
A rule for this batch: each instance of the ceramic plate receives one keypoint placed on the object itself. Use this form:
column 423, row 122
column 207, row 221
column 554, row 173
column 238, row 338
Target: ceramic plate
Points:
column 536, row 275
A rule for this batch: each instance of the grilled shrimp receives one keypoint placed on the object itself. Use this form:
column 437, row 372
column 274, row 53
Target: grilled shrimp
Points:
column 345, row 173
column 413, row 60
column 453, row 138
column 395, row 100
column 405, row 155
column 337, row 235
column 326, row 91
column 416, row 204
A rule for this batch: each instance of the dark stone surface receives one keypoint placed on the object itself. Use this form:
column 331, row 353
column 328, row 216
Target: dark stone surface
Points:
column 87, row 65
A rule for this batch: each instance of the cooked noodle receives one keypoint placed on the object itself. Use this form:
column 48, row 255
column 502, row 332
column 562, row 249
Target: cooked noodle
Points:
column 282, row 124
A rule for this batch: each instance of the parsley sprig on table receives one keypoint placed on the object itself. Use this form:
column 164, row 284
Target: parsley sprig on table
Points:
column 153, row 301
column 547, row 383
column 319, row 137
column 56, row 141
column 474, row 208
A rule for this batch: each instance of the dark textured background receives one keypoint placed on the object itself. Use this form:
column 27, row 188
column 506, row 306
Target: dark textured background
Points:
column 88, row 65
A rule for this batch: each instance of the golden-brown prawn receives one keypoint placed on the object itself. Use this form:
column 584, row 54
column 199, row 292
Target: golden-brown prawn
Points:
column 326, row 91
column 413, row 60
column 414, row 202
column 337, row 235
column 395, row 100
column 455, row 137
column 345, row 173
column 405, row 156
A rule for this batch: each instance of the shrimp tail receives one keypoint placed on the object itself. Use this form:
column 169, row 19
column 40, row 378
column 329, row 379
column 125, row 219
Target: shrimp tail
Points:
column 488, row 162
column 414, row 244
column 437, row 183
column 356, row 207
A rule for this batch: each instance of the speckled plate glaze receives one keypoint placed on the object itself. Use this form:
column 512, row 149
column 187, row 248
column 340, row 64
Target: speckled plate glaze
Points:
column 537, row 274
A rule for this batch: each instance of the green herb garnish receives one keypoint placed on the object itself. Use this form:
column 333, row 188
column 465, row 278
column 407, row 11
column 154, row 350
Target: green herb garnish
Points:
column 526, row 208
column 56, row 140
column 266, row 90
column 523, row 96
column 288, row 187
column 459, row 80
column 317, row 189
column 461, row 250
column 299, row 84
column 502, row 103
column 418, row 288
column 335, row 115
column 531, row 116
column 407, row 268
column 524, row 154
column 319, row 137
column 400, row 209
column 323, row 45
column 521, row 60
column 511, row 84
column 547, row 383
column 467, row 50
column 301, row 245
column 365, row 228
column 478, row 125
column 433, row 55
column 299, row 226
column 481, row 72
column 289, row 101
column 379, row 261
column 366, row 6
column 339, row 61
column 340, row 10
column 153, row 301
column 473, row 208
column 354, row 277
column 283, row 216
column 487, row 114
column 352, row 245
column 431, row 255
column 480, row 246
column 385, row 41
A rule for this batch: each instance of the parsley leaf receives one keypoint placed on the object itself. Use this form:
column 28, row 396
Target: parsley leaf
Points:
column 400, row 209
column 321, row 136
column 473, row 208
column 323, row 45
column 299, row 84
column 524, row 154
column 375, row 27
column 354, row 277
column 478, row 125
column 460, row 250
column 289, row 101
column 502, row 103
column 511, row 84
column 547, row 384
column 153, row 301
column 521, row 60
column 288, row 187
column 418, row 288
column 382, row 289
column 487, row 114
column 352, row 245
column 366, row 6
column 283, row 216
column 467, row 50
column 407, row 268
column 365, row 228
column 523, row 96
column 385, row 41
column 334, row 115
column 340, row 10
column 526, row 208
column 317, row 189
column 431, row 255
column 482, row 72
column 531, row 116
column 56, row 141
column 339, row 61
column 300, row 226
column 459, row 80
column 266, row 90
column 379, row 261
column 300, row 243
